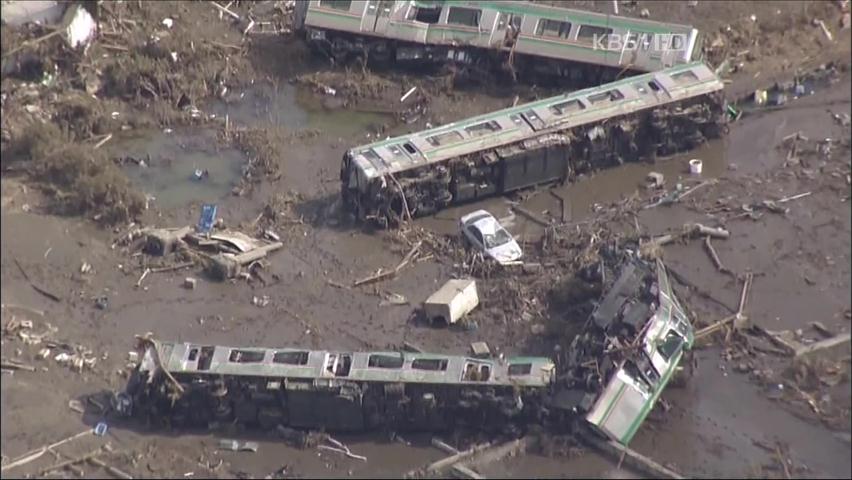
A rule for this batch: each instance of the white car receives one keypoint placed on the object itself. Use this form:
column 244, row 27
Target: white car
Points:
column 486, row 234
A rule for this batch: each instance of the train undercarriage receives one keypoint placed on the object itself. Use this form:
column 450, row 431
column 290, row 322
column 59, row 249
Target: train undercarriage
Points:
column 466, row 62
column 331, row 405
column 550, row 157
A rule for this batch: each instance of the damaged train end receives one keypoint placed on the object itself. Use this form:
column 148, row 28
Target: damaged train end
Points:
column 190, row 385
column 631, row 346
column 549, row 140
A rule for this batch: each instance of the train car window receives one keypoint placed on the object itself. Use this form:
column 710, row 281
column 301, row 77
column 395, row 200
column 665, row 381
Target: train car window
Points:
column 645, row 41
column 502, row 20
column 336, row 4
column 385, row 361
column 396, row 151
column 654, row 86
column 425, row 14
column 409, row 148
column 520, row 369
column 516, row 119
column 611, row 96
column 588, row 34
column 445, row 138
column 434, row 364
column 566, row 107
column 670, row 345
column 193, row 354
column 483, row 128
column 553, row 28
column 246, row 356
column 473, row 374
column 291, row 358
column 464, row 16
column 684, row 77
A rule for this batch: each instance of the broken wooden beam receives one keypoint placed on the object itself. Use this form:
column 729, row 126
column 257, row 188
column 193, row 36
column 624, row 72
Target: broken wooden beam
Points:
column 531, row 216
column 630, row 457
column 499, row 452
column 446, row 462
column 834, row 346
column 440, row 445
column 463, row 471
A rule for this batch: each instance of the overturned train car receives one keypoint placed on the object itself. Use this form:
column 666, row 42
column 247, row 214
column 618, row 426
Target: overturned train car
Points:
column 184, row 384
column 580, row 47
column 631, row 346
column 549, row 140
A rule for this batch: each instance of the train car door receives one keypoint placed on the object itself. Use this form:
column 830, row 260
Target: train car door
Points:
column 371, row 13
column 385, row 8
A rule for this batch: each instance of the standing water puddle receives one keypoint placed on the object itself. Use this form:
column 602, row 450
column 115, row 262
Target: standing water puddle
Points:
column 171, row 161
column 293, row 108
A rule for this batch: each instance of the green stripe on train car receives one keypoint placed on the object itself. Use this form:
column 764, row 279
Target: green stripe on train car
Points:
column 564, row 14
column 646, row 409
column 522, row 108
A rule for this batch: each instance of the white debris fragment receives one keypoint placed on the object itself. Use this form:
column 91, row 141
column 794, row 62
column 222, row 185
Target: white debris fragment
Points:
column 80, row 27
column 168, row 22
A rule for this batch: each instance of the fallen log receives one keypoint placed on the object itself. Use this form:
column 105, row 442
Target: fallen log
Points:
column 34, row 454
column 390, row 273
column 463, row 471
column 735, row 318
column 531, row 216
column 499, row 452
column 446, row 462
column 631, row 457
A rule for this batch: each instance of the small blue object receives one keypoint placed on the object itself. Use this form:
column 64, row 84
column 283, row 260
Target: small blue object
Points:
column 208, row 217
column 101, row 429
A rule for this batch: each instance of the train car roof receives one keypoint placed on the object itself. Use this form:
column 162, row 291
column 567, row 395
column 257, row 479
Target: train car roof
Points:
column 174, row 358
column 561, row 13
column 390, row 155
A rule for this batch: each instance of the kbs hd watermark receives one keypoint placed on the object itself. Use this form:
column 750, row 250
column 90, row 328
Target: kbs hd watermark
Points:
column 659, row 42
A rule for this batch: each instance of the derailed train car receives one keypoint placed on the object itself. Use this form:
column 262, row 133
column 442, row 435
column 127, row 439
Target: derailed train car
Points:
column 630, row 348
column 187, row 384
column 610, row 378
column 548, row 140
column 574, row 44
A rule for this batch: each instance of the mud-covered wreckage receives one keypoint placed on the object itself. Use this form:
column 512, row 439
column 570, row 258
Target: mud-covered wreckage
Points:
column 604, row 381
column 549, row 140
column 578, row 46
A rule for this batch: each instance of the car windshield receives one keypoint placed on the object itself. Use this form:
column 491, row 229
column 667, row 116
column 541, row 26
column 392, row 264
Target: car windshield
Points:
column 499, row 237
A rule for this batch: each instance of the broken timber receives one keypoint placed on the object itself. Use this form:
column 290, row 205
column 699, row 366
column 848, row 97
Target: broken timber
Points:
column 390, row 273
column 631, row 457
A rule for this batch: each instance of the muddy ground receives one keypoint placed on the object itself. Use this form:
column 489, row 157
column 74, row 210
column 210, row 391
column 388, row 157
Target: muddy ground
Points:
column 744, row 413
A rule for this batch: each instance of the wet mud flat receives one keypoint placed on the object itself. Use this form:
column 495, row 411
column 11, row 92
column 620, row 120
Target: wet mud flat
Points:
column 800, row 261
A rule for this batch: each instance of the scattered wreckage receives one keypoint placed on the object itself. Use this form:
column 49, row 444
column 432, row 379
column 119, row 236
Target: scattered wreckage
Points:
column 613, row 374
column 578, row 46
column 548, row 140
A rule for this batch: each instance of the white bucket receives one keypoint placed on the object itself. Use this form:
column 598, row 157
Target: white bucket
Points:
column 695, row 166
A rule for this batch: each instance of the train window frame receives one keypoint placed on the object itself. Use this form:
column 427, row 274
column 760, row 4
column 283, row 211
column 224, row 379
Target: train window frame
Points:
column 525, row 369
column 396, row 150
column 414, row 14
column 483, row 128
column 516, row 118
column 562, row 30
column 245, row 355
column 677, row 78
column 593, row 29
column 607, row 96
column 456, row 11
column 302, row 359
column 476, row 372
column 440, row 139
column 410, row 148
column 423, row 364
column 563, row 107
column 193, row 354
column 336, row 4
column 654, row 86
column 379, row 357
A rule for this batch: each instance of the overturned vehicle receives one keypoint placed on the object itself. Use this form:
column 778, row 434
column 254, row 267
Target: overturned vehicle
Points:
column 549, row 140
column 630, row 347
column 185, row 384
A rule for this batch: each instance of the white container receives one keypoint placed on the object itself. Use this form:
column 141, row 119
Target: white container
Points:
column 451, row 302
column 695, row 166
